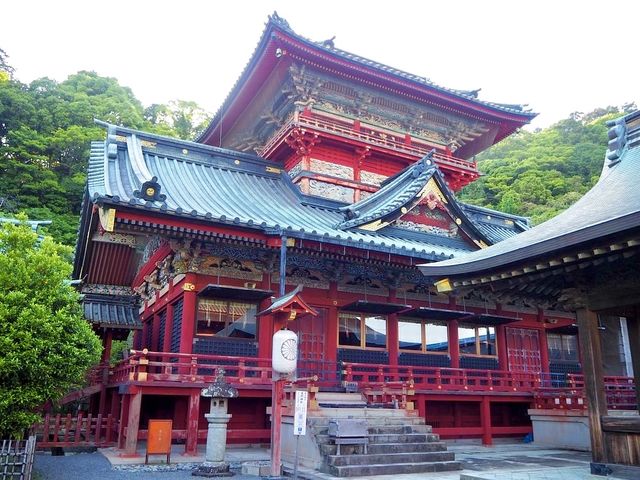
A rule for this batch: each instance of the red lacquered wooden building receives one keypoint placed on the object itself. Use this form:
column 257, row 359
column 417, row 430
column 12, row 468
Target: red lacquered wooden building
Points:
column 331, row 171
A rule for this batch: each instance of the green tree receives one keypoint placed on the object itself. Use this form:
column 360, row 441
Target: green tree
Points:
column 46, row 346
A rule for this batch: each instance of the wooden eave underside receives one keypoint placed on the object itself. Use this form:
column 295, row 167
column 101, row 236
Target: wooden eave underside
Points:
column 546, row 281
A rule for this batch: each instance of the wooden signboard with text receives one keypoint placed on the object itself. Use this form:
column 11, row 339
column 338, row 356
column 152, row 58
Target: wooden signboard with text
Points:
column 159, row 439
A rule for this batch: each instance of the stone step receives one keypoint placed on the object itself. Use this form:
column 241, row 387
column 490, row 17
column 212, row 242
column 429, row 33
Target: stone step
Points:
column 389, row 458
column 383, row 448
column 362, row 412
column 406, row 447
column 404, row 438
column 387, row 429
column 397, row 468
column 371, row 421
column 339, row 397
column 325, row 439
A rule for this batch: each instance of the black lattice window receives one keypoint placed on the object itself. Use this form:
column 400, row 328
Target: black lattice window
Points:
column 162, row 327
column 176, row 327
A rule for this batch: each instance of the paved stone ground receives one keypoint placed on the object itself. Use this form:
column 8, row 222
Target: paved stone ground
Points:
column 502, row 462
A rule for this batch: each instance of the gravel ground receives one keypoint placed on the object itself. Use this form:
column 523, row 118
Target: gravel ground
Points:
column 94, row 466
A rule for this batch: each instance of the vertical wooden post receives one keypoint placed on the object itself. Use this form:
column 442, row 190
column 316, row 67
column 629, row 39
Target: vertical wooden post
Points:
column 104, row 374
column 485, row 420
column 133, row 424
column 276, row 424
column 265, row 322
column 593, row 378
column 331, row 340
column 501, row 343
column 633, row 328
column 124, row 418
column 454, row 344
column 188, row 313
column 193, row 417
column 392, row 331
column 544, row 354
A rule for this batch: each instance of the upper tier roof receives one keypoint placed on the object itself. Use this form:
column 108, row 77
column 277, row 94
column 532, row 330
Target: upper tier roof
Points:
column 170, row 177
column 610, row 208
column 279, row 34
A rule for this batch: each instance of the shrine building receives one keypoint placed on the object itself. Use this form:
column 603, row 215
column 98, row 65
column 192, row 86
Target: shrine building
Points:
column 334, row 175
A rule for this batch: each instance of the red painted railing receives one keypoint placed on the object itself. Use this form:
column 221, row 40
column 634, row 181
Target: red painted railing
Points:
column 145, row 366
column 76, row 431
column 569, row 393
column 548, row 391
column 447, row 379
column 369, row 135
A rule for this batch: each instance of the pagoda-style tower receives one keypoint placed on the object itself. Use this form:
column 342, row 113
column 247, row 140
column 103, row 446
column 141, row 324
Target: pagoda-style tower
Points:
column 340, row 124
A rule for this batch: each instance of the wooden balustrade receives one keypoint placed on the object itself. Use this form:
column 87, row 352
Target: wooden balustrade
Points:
column 369, row 135
column 76, row 431
column 446, row 379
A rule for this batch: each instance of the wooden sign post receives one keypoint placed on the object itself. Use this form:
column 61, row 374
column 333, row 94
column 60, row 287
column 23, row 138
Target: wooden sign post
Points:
column 159, row 439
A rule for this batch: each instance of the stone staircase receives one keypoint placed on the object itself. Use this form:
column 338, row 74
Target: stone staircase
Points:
column 399, row 440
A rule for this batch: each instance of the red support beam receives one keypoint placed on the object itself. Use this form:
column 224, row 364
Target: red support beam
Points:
column 168, row 326
column 544, row 351
column 392, row 331
column 133, row 424
column 191, row 445
column 454, row 345
column 485, row 419
column 188, row 313
column 331, row 344
column 501, row 340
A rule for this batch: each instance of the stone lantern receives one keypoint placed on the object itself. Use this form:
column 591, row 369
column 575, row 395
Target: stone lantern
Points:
column 220, row 392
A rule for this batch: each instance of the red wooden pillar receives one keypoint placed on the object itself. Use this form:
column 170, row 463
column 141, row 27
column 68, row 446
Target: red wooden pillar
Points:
column 124, row 418
column 331, row 340
column 191, row 445
column 133, row 424
column 265, row 322
column 188, row 313
column 485, row 420
column 454, row 344
column 501, row 343
column 544, row 353
column 115, row 403
column 392, row 331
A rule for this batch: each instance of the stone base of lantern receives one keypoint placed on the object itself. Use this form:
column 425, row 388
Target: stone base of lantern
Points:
column 212, row 469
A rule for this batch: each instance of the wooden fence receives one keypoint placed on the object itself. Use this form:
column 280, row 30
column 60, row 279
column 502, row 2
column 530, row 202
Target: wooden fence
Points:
column 16, row 459
column 76, row 431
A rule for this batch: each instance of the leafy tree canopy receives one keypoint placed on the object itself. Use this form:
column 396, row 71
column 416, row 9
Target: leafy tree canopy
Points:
column 540, row 174
column 46, row 346
column 45, row 132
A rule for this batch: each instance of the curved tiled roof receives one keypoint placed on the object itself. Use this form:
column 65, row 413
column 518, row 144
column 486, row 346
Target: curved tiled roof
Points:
column 612, row 206
column 230, row 188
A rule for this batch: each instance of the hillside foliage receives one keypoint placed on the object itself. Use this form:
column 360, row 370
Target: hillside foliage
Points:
column 539, row 174
column 45, row 132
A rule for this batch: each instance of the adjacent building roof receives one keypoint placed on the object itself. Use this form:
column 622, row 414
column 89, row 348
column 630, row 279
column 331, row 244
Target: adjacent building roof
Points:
column 166, row 176
column 112, row 311
column 609, row 209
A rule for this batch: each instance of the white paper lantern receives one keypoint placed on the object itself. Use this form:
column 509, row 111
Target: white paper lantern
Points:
column 284, row 355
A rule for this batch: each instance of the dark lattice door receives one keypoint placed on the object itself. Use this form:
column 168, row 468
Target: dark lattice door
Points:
column 523, row 349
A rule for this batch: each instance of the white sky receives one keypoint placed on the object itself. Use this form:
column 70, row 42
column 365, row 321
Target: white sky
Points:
column 557, row 56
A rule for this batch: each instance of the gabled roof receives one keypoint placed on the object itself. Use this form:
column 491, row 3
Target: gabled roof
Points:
column 609, row 209
column 400, row 194
column 168, row 177
column 278, row 38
